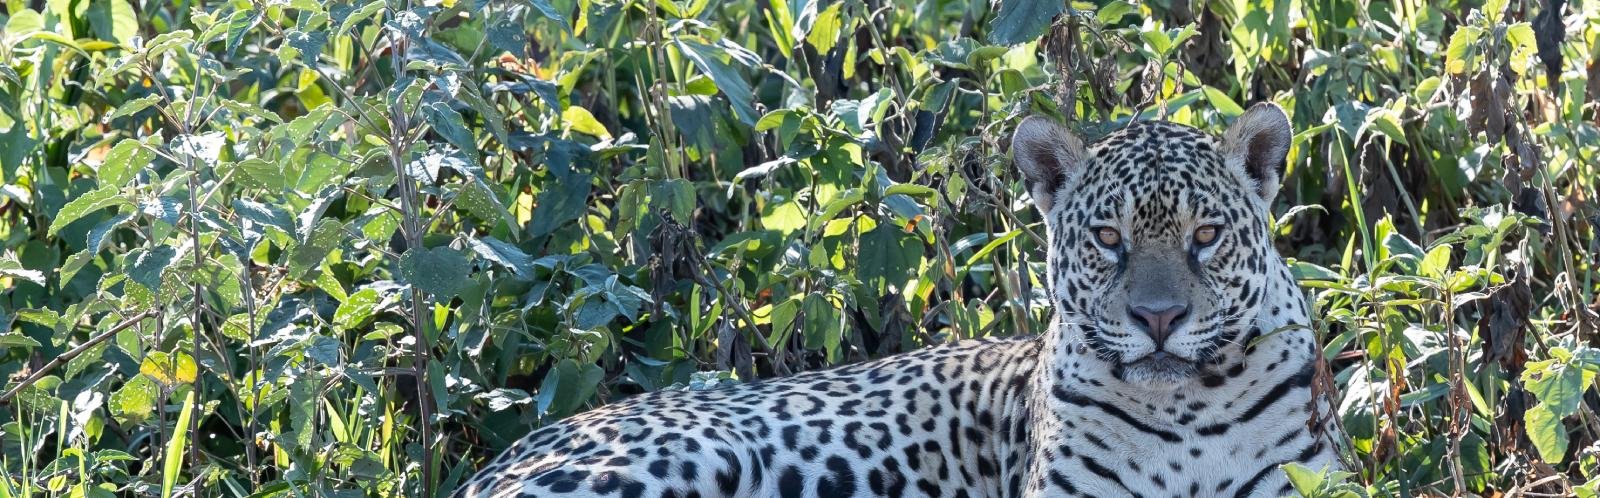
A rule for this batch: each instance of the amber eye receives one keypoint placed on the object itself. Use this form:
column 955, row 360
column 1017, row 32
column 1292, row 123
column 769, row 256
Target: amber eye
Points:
column 1108, row 236
column 1205, row 235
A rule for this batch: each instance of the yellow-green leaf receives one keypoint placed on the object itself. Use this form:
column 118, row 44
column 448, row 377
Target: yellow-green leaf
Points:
column 169, row 369
column 581, row 121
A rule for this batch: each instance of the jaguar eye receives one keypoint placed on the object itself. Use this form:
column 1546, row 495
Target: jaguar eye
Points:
column 1108, row 237
column 1205, row 235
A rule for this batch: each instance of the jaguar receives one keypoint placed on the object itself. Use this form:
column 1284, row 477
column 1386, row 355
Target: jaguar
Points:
column 1178, row 361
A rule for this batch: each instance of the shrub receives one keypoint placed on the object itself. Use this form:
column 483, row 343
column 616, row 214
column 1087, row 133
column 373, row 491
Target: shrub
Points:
column 354, row 248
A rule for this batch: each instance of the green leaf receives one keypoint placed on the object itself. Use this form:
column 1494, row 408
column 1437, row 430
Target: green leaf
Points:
column 732, row 85
column 87, row 204
column 824, row 34
column 261, row 173
column 478, row 197
column 1114, row 11
column 1158, row 41
column 1021, row 21
column 255, row 217
column 1304, row 479
column 310, row 253
column 1222, row 103
column 564, row 201
column 309, row 45
column 366, row 11
column 176, row 447
column 913, row 190
column 487, row 111
column 676, row 195
column 16, row 341
column 135, row 401
column 1462, row 46
column 1558, row 385
column 887, row 255
column 551, row 13
column 1547, row 432
column 1437, row 262
column 356, row 309
column 132, row 107
column 507, row 34
column 1524, row 44
column 503, row 254
column 440, row 271
column 567, row 386
column 239, row 24
column 1399, row 245
column 821, row 326
column 125, row 161
column 1309, row 271
column 149, row 265
column 1387, row 123
column 447, row 123
column 248, row 109
column 10, row 267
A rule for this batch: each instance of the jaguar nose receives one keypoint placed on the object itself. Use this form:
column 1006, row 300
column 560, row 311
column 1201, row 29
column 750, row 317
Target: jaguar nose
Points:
column 1158, row 323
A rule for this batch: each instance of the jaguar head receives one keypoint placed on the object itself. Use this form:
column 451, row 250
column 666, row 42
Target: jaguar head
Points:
column 1159, row 246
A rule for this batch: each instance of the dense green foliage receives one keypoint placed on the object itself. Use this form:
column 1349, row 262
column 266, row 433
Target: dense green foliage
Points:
column 295, row 248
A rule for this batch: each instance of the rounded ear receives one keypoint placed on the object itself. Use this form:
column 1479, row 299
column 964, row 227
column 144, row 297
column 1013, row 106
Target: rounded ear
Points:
column 1049, row 156
column 1257, row 146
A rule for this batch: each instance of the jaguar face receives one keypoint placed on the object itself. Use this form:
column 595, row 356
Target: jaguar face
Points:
column 1159, row 244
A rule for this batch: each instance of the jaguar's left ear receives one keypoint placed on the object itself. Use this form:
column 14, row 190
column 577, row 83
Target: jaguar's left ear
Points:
column 1257, row 145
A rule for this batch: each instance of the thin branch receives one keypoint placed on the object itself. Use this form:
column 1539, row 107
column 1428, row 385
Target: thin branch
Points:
column 69, row 355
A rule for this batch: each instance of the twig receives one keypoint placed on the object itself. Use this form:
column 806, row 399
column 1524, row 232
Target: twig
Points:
column 69, row 355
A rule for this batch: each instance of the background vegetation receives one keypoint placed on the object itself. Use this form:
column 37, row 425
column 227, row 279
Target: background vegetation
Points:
column 354, row 248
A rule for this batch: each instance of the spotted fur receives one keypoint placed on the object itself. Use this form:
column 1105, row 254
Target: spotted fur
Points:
column 1093, row 407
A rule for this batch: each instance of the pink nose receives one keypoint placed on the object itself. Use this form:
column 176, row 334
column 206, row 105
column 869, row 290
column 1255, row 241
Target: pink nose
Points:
column 1158, row 323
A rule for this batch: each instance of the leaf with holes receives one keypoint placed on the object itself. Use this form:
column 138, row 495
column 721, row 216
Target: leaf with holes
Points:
column 440, row 271
column 87, row 204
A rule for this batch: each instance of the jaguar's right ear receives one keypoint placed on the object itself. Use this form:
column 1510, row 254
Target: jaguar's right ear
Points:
column 1049, row 156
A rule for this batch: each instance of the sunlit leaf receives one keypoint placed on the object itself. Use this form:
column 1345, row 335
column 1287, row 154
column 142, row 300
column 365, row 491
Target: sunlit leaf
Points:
column 169, row 369
column 87, row 204
column 1548, row 434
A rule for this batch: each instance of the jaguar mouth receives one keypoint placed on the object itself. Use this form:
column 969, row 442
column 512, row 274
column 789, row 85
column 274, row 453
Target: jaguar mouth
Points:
column 1161, row 366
